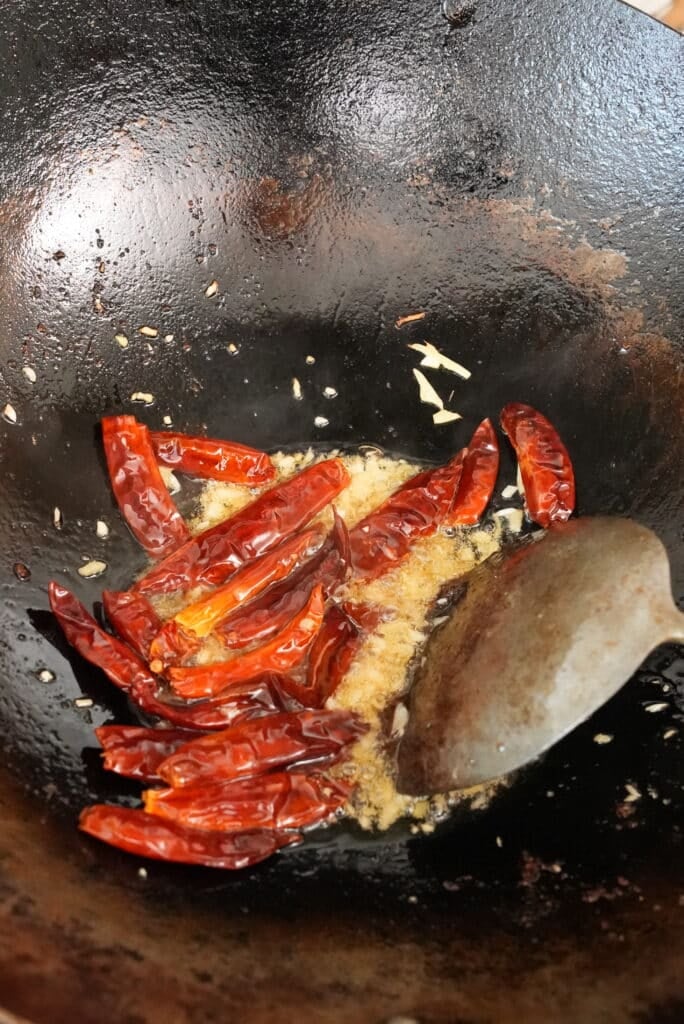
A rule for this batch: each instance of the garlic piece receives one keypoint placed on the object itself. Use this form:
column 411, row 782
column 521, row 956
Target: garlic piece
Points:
column 92, row 569
column 321, row 421
column 211, row 289
column 296, row 389
column 399, row 720
column 121, row 340
column 444, row 416
column 170, row 479
column 426, row 391
column 30, row 374
column 519, row 481
column 148, row 332
column 146, row 397
column 101, row 529
column 512, row 517
column 436, row 360
column 9, row 413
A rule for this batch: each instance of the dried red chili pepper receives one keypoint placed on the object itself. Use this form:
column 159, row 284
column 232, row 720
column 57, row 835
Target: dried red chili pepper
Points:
column 340, row 543
column 211, row 459
column 270, row 613
column 280, row 654
column 384, row 537
column 277, row 801
column 184, row 633
column 478, row 479
column 366, row 617
column 133, row 618
column 131, row 675
column 262, row 619
column 110, row 654
column 141, row 494
column 172, row 645
column 249, row 581
column 256, row 746
column 150, row 836
column 251, row 699
column 136, row 752
column 300, row 695
column 332, row 653
column 211, row 557
column 545, row 465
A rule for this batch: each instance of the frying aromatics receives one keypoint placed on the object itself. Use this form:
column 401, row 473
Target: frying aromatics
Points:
column 378, row 676
column 278, row 630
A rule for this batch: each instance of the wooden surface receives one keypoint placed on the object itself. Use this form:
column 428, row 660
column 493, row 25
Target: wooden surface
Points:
column 671, row 13
column 675, row 15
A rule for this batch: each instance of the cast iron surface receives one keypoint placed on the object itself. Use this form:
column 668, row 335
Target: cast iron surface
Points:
column 515, row 171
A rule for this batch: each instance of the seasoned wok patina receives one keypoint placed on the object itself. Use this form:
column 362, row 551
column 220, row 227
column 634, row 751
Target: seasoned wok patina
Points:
column 513, row 171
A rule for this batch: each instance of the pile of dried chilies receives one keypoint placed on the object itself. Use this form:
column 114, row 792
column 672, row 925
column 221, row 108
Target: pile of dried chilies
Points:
column 238, row 762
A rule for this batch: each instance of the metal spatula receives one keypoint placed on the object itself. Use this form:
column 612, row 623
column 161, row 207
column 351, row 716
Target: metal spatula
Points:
column 542, row 637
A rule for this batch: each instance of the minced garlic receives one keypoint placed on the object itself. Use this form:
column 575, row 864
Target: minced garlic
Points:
column 377, row 679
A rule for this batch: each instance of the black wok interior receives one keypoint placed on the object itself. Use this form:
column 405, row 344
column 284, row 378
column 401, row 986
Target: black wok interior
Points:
column 515, row 171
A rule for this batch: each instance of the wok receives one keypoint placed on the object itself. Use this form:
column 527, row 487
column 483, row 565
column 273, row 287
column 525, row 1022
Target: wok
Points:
column 514, row 170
